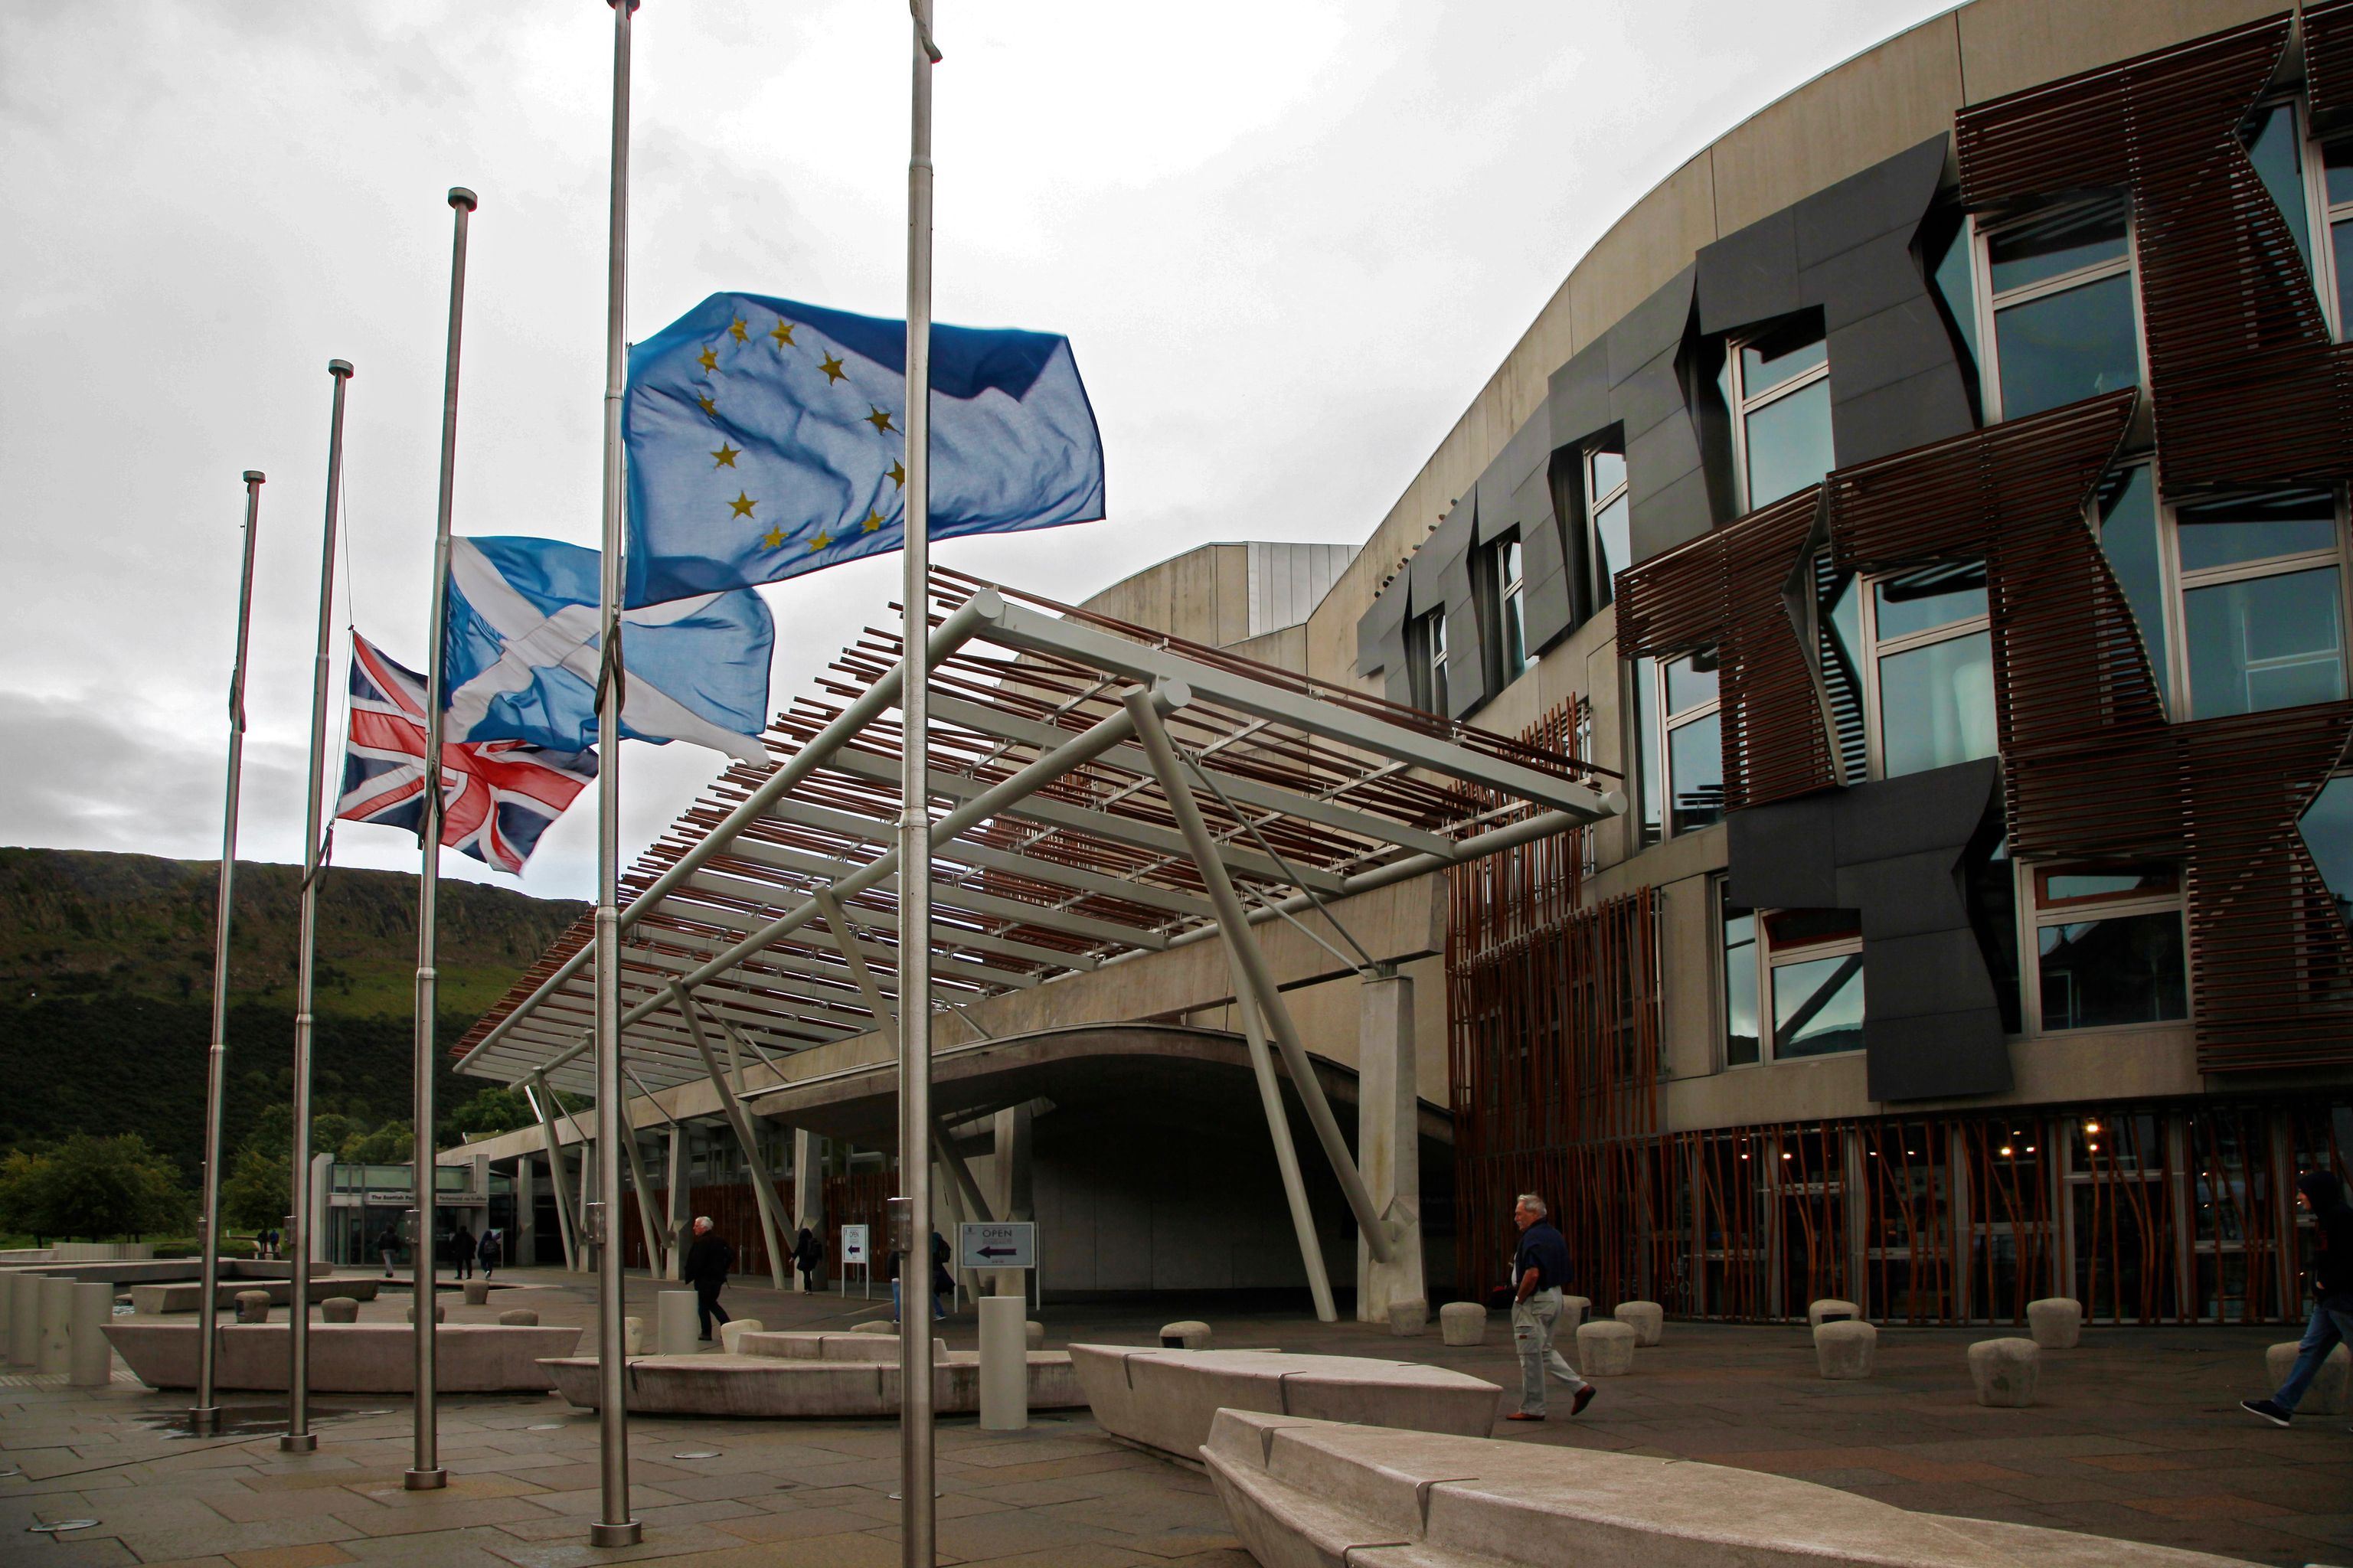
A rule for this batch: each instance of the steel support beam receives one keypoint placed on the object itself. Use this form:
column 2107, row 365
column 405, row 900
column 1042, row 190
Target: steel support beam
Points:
column 539, row 1101
column 764, row 1190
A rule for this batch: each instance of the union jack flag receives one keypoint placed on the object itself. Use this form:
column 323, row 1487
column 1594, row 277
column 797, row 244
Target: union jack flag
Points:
column 497, row 795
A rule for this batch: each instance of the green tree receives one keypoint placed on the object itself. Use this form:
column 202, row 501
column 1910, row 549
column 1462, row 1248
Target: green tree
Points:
column 96, row 1188
column 493, row 1110
column 25, row 1179
column 390, row 1144
column 255, row 1196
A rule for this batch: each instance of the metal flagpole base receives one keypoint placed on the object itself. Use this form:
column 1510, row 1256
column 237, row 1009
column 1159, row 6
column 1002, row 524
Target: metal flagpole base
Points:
column 203, row 1419
column 298, row 1443
column 631, row 1533
column 424, row 1481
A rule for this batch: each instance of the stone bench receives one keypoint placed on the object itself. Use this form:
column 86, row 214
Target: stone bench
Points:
column 1647, row 1318
column 1165, row 1399
column 1300, row 1492
column 186, row 1295
column 2328, row 1394
column 1844, row 1348
column 871, row 1350
column 347, row 1358
column 1831, row 1309
column 785, row 1387
column 1463, row 1323
column 2005, row 1371
column 1605, row 1349
column 2055, row 1322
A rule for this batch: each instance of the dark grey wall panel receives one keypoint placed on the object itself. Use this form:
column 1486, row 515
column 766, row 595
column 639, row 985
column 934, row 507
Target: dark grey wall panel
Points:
column 1892, row 850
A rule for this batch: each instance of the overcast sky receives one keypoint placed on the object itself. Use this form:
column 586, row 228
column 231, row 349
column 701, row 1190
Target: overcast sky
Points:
column 1289, row 239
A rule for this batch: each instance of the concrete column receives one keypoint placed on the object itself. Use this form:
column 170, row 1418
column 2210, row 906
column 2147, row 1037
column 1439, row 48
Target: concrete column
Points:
column 523, row 1240
column 54, row 1352
column 91, row 1361
column 1010, row 1191
column 1389, row 1145
column 809, row 1191
column 675, row 1198
column 320, row 1175
column 23, row 1319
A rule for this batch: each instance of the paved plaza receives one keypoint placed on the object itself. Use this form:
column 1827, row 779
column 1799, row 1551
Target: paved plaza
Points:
column 2137, row 1435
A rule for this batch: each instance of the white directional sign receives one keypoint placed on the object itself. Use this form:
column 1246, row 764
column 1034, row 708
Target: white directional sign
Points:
column 853, row 1244
column 1013, row 1244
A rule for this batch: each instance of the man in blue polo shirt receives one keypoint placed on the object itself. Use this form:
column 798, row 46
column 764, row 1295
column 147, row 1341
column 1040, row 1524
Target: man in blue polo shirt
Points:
column 1539, row 1271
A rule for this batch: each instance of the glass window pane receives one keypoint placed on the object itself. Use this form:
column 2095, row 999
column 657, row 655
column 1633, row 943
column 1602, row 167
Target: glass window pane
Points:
column 1691, row 681
column 1953, row 273
column 1608, row 473
column 2128, row 536
column 1511, row 561
column 2343, row 240
column 1646, row 734
column 2256, row 527
column 2329, row 833
column 1936, row 705
column 2047, row 247
column 2124, row 971
column 1739, row 984
column 1695, row 764
column 1515, row 637
column 2069, row 345
column 1613, row 548
column 1767, row 361
column 2267, row 642
column 2107, row 882
column 1817, row 1006
column 1788, row 444
column 1922, row 601
column 1787, row 929
column 2337, row 168
column 2271, row 147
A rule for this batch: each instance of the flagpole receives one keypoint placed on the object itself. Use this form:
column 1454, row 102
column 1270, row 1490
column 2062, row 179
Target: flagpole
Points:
column 917, row 1511
column 614, row 1526
column 425, row 1471
column 298, row 1437
column 205, row 1416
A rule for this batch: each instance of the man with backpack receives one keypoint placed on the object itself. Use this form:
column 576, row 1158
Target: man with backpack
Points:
column 708, row 1264
column 1540, row 1269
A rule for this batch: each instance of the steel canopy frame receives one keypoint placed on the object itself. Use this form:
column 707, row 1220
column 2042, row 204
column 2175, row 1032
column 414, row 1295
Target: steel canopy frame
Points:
column 769, row 907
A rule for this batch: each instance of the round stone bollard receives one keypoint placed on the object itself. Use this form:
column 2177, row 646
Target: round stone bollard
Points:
column 54, row 1353
column 520, row 1318
column 2055, row 1322
column 477, row 1292
column 440, row 1313
column 2005, row 1371
column 1844, row 1348
column 1574, row 1310
column 1034, row 1333
column 734, row 1329
column 2328, row 1393
column 253, row 1306
column 1647, row 1318
column 1463, row 1323
column 1409, row 1318
column 339, row 1309
column 1605, row 1349
column 91, row 1358
column 1191, row 1334
column 877, row 1326
column 1831, row 1309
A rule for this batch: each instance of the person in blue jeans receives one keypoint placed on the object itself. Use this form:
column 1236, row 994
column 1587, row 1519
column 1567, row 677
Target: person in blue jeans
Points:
column 2332, row 1286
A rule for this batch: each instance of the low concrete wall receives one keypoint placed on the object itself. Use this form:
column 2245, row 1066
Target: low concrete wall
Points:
column 1316, row 1492
column 348, row 1358
column 185, row 1296
column 866, row 1347
column 1167, row 1399
column 776, row 1387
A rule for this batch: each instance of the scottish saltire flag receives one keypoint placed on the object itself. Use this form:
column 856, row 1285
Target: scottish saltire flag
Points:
column 768, row 438
column 498, row 797
column 518, row 661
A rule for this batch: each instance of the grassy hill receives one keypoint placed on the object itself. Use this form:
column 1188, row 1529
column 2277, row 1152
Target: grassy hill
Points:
column 106, row 989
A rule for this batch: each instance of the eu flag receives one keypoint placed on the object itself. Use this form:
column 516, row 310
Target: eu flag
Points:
column 768, row 438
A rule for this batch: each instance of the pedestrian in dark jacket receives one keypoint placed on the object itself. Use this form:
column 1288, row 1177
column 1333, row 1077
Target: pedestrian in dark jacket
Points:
column 388, row 1244
column 708, row 1262
column 461, row 1252
column 491, row 1251
column 2332, row 1289
column 808, row 1253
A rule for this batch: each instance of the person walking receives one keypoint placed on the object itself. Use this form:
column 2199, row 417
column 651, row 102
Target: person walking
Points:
column 943, row 1283
column 2321, row 1194
column 491, row 1251
column 387, row 1246
column 1540, row 1269
column 461, row 1251
column 807, row 1254
column 707, row 1265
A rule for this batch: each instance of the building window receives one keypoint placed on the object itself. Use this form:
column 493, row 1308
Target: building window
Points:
column 1801, row 968
column 1778, row 387
column 1426, row 654
column 1609, row 538
column 2060, row 310
column 1680, row 744
column 2313, row 184
column 1922, row 642
column 2329, row 832
column 2241, row 601
column 2334, row 168
column 1508, row 586
column 2109, row 945
column 2276, row 146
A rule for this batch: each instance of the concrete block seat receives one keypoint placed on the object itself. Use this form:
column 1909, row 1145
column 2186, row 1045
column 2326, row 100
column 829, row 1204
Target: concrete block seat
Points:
column 2005, row 1371
column 1844, row 1348
column 1300, row 1492
column 2055, row 1322
column 1647, row 1318
column 1829, row 1309
column 780, row 1376
column 187, row 1295
column 1605, row 1349
column 347, row 1358
column 1167, row 1399
column 1463, row 1323
column 2329, row 1390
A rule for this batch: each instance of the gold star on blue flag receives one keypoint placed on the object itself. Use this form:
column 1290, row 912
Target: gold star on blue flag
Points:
column 813, row 426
